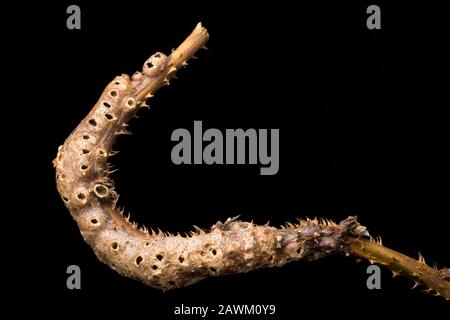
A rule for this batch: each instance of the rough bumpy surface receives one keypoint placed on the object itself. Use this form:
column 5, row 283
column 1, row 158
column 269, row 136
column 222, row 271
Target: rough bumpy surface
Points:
column 166, row 261
column 160, row 260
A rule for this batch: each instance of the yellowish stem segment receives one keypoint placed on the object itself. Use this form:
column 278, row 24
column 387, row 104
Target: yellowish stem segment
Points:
column 399, row 264
column 194, row 42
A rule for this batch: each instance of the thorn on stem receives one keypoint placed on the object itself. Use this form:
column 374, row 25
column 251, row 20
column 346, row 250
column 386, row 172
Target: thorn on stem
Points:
column 421, row 259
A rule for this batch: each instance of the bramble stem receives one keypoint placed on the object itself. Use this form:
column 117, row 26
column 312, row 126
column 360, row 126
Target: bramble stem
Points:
column 399, row 264
column 168, row 261
column 185, row 51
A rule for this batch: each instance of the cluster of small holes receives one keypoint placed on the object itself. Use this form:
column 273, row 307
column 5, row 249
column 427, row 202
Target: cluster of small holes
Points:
column 114, row 245
column 113, row 93
column 139, row 260
column 106, row 105
column 108, row 116
column 92, row 122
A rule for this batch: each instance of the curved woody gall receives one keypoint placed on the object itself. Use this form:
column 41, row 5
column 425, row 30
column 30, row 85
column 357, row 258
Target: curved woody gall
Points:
column 167, row 261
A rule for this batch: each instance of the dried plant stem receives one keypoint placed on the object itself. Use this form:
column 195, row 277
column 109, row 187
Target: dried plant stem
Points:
column 168, row 261
column 179, row 57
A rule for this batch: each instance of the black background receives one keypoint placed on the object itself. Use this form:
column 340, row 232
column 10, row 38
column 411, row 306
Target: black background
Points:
column 362, row 126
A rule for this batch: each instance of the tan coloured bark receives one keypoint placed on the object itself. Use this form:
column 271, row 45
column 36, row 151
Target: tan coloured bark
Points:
column 166, row 261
